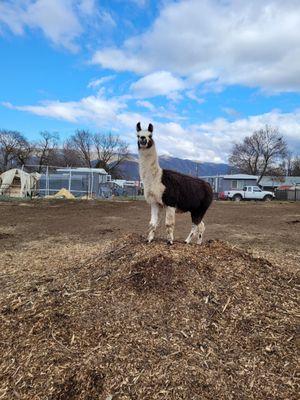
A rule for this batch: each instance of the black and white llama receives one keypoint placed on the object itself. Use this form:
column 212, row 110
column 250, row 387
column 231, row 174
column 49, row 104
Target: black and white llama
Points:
column 170, row 189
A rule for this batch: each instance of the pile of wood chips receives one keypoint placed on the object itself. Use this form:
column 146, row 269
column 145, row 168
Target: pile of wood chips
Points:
column 151, row 322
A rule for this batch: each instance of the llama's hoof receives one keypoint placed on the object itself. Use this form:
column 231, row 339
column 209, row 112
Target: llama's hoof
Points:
column 187, row 242
column 200, row 240
column 170, row 242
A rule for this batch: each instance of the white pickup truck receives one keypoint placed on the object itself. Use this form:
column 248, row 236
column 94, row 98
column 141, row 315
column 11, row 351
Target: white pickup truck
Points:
column 248, row 193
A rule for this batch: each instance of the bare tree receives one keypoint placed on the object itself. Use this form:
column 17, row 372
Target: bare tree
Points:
column 81, row 144
column 295, row 168
column 14, row 149
column 70, row 156
column 111, row 152
column 286, row 164
column 259, row 152
column 46, row 149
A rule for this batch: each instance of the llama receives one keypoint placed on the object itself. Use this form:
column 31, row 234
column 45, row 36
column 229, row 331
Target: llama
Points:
column 171, row 190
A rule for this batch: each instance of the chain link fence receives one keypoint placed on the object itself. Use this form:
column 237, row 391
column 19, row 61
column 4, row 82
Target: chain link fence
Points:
column 82, row 183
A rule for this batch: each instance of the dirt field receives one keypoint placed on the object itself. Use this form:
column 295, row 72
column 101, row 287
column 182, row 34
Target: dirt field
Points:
column 89, row 311
column 271, row 230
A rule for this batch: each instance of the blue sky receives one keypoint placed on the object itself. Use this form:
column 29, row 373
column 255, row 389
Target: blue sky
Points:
column 205, row 73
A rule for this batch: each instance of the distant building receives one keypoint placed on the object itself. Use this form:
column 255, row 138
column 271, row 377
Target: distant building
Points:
column 220, row 183
column 274, row 182
column 93, row 182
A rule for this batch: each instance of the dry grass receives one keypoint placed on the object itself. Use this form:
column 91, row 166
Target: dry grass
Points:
column 144, row 321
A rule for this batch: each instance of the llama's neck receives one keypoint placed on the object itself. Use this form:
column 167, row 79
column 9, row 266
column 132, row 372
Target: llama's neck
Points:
column 148, row 163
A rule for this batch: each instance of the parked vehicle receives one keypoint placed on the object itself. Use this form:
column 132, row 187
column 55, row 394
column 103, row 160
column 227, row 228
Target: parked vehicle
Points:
column 248, row 193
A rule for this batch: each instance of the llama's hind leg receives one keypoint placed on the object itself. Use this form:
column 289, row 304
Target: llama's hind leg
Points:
column 153, row 222
column 192, row 233
column 198, row 227
column 170, row 223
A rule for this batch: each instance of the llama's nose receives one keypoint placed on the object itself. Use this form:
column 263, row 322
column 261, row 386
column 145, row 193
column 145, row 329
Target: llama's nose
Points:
column 143, row 140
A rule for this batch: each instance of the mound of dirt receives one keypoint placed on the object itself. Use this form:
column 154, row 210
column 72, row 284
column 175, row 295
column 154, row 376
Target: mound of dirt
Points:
column 151, row 322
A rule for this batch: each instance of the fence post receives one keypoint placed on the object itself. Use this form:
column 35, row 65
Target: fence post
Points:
column 88, row 186
column 70, row 180
column 92, row 184
column 47, row 181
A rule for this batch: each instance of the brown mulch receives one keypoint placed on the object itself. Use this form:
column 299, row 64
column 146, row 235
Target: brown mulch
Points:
column 150, row 322
column 295, row 221
column 5, row 235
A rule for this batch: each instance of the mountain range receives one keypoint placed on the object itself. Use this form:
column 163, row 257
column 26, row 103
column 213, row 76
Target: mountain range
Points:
column 130, row 169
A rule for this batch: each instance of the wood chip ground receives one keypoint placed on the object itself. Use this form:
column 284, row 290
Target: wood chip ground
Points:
column 152, row 322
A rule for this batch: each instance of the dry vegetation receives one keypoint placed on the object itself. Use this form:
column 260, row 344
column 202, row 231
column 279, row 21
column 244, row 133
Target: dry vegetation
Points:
column 118, row 319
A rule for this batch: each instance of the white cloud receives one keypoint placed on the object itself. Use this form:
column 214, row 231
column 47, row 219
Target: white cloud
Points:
column 59, row 20
column 12, row 14
column 106, row 19
column 145, row 104
column 56, row 19
column 87, row 6
column 100, row 111
column 210, row 141
column 231, row 111
column 193, row 96
column 119, row 61
column 101, row 81
column 253, row 43
column 159, row 83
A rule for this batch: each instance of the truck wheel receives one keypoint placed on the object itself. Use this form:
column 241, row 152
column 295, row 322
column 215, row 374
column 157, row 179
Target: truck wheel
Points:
column 268, row 198
column 237, row 197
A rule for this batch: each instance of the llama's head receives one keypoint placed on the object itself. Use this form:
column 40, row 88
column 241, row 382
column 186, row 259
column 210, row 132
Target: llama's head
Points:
column 145, row 140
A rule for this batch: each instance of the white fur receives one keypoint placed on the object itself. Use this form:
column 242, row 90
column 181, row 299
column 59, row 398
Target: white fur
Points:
column 201, row 229
column 197, row 230
column 191, row 234
column 154, row 221
column 170, row 223
column 151, row 174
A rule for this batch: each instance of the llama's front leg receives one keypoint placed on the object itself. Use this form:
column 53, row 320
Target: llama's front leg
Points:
column 201, row 229
column 170, row 223
column 153, row 222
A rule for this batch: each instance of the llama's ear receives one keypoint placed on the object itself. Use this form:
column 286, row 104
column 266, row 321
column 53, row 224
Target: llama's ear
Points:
column 138, row 127
column 150, row 128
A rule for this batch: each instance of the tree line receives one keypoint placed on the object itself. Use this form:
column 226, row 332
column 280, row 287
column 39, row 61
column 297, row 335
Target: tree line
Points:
column 83, row 149
column 264, row 152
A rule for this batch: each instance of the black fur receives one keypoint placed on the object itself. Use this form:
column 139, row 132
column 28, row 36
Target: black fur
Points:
column 150, row 142
column 187, row 193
